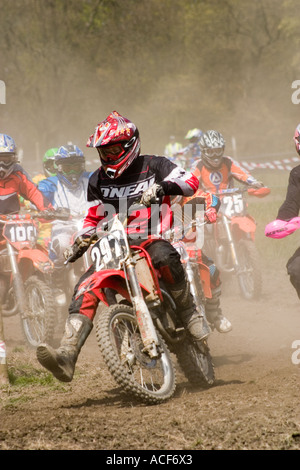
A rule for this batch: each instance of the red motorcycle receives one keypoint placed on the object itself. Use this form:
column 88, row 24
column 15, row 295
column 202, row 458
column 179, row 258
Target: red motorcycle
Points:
column 25, row 276
column 230, row 242
column 139, row 327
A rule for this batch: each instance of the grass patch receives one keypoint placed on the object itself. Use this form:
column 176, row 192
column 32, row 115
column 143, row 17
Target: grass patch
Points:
column 23, row 371
column 25, row 375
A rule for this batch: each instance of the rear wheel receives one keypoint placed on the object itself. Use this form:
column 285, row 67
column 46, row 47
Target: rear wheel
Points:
column 196, row 362
column 38, row 320
column 118, row 336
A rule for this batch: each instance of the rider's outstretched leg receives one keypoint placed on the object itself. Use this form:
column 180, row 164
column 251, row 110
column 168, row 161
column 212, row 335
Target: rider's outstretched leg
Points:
column 61, row 362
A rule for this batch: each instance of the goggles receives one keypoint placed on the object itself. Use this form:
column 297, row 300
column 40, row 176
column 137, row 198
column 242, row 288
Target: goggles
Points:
column 7, row 160
column 111, row 153
column 68, row 167
column 214, row 152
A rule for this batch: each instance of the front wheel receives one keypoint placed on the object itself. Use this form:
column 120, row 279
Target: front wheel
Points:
column 196, row 362
column 39, row 315
column 249, row 271
column 118, row 336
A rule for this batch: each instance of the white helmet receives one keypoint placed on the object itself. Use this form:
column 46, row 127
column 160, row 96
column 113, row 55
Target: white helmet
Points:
column 212, row 145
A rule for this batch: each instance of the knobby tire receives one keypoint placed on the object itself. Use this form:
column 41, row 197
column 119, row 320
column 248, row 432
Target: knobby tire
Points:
column 250, row 278
column 39, row 322
column 152, row 381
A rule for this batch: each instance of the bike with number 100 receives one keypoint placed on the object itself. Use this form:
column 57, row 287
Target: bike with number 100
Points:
column 25, row 275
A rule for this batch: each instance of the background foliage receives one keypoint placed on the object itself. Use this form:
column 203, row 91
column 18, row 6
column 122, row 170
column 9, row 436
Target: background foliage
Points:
column 168, row 65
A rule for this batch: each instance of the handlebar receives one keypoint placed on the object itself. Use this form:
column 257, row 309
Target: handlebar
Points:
column 46, row 215
column 258, row 192
column 231, row 191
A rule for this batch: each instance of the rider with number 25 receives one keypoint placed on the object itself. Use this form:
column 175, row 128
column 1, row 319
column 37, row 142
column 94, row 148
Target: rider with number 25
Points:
column 125, row 176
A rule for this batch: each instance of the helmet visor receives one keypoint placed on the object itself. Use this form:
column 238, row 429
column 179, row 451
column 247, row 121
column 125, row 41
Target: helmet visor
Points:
column 111, row 153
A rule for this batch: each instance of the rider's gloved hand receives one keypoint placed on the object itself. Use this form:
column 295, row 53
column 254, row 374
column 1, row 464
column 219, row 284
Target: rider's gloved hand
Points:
column 152, row 195
column 78, row 248
column 210, row 215
column 47, row 214
column 257, row 184
column 63, row 213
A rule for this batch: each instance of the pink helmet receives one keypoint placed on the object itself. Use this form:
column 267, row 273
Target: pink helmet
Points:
column 118, row 143
column 297, row 138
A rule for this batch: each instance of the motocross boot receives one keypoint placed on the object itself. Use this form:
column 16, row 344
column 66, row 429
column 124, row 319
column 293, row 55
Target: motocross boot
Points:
column 214, row 313
column 61, row 362
column 192, row 319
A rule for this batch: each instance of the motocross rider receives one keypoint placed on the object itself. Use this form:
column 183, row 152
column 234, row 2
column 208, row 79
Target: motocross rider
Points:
column 66, row 188
column 15, row 182
column 192, row 151
column 125, row 175
column 44, row 232
column 172, row 149
column 290, row 209
column 216, row 171
column 49, row 163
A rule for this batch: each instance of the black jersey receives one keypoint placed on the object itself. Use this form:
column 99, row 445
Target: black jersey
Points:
column 115, row 194
column 291, row 206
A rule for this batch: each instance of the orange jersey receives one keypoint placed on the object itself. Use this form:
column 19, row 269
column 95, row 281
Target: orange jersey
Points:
column 220, row 178
column 18, row 183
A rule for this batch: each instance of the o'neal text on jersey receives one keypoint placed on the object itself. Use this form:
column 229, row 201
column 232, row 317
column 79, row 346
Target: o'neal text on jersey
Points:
column 115, row 192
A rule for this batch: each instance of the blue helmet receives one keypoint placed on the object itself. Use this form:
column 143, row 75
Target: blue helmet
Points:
column 69, row 164
column 8, row 155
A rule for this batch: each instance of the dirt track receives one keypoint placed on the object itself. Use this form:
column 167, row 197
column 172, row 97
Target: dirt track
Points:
column 253, row 405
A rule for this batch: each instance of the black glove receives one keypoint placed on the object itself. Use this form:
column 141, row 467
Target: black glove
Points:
column 152, row 195
column 78, row 248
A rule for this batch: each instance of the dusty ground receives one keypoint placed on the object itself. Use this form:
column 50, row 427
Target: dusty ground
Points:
column 253, row 405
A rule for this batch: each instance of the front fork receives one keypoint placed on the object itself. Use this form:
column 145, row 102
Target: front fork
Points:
column 146, row 327
column 227, row 227
column 194, row 288
column 17, row 281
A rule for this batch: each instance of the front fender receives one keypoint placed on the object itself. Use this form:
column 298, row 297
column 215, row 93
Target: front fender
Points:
column 100, row 280
column 244, row 224
column 38, row 258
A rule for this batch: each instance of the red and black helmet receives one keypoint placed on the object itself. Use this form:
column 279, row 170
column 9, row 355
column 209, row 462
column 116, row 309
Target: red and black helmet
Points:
column 118, row 143
column 297, row 138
